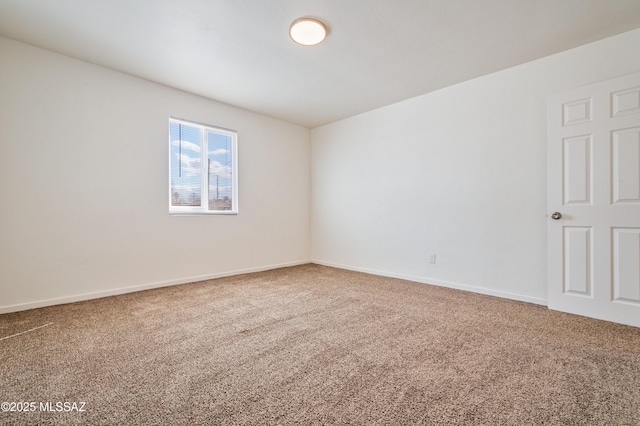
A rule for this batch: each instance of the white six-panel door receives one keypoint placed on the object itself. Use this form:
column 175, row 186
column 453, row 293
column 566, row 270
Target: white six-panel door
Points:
column 593, row 169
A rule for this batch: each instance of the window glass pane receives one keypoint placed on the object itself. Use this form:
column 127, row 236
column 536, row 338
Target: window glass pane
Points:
column 202, row 175
column 219, row 167
column 186, row 182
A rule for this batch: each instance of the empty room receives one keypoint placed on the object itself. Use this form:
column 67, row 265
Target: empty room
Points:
column 329, row 212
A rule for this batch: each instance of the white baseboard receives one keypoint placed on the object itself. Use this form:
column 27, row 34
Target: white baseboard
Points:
column 131, row 289
column 423, row 280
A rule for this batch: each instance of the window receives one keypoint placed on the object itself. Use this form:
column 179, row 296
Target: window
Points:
column 202, row 169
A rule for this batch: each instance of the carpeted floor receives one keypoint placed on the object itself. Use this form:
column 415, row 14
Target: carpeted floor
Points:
column 316, row 345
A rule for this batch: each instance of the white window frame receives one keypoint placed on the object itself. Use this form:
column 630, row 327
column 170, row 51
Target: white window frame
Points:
column 203, row 209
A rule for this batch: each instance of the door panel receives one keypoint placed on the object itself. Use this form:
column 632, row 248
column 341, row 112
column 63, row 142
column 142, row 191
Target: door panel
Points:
column 624, row 168
column 594, row 183
column 578, row 274
column 626, row 265
column 577, row 170
column 625, row 102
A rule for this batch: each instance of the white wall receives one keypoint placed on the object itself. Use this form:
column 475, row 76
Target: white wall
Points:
column 460, row 172
column 84, row 174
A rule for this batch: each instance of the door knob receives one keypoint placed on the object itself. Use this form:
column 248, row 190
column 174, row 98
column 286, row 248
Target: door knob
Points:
column 556, row 215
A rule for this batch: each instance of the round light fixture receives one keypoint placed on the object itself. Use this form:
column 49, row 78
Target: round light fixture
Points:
column 308, row 31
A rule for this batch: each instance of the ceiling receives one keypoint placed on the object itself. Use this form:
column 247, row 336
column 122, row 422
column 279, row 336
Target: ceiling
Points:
column 378, row 51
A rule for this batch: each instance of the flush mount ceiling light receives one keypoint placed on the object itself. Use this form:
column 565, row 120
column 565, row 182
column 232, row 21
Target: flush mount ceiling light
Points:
column 308, row 31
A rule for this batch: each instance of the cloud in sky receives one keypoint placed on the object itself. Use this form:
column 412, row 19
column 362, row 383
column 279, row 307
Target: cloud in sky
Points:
column 190, row 165
column 186, row 145
column 219, row 169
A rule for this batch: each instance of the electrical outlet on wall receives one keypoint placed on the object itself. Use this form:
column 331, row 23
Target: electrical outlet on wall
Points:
column 432, row 259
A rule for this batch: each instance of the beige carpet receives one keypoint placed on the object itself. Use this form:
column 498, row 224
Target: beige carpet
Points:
column 317, row 345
